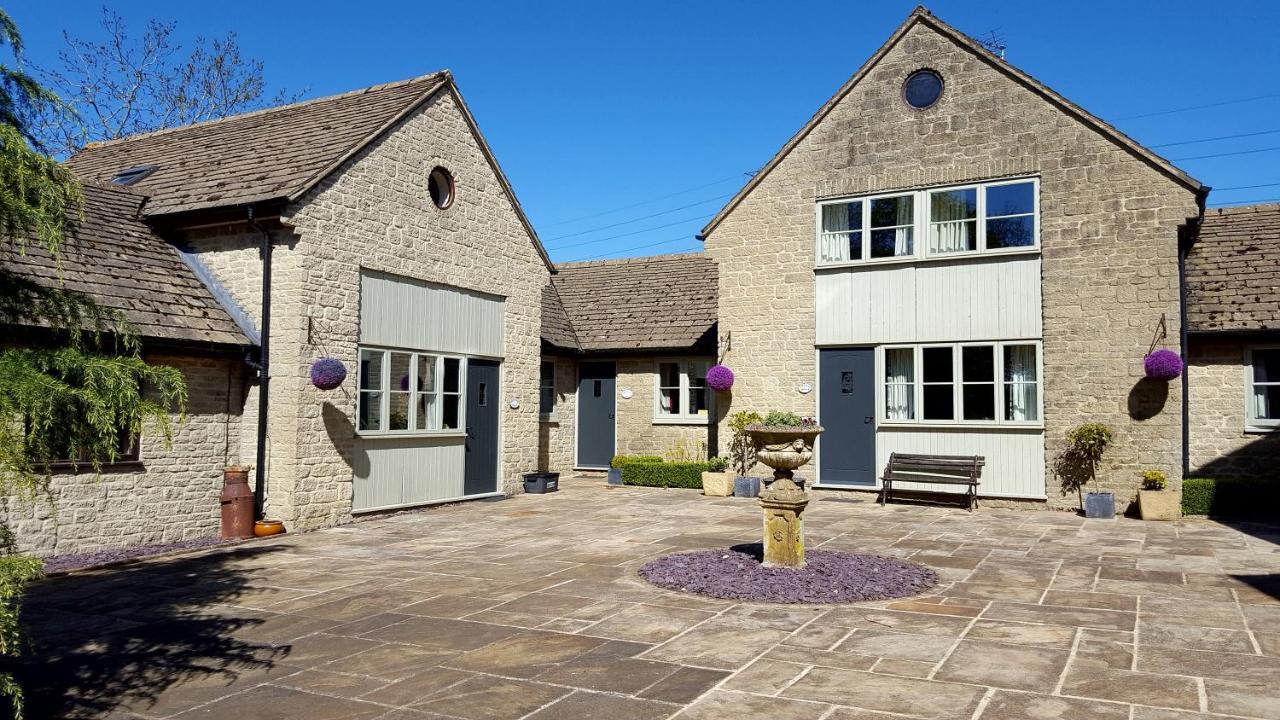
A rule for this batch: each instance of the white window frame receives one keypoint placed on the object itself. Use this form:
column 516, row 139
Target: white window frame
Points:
column 541, row 386
column 384, row 410
column 997, row 346
column 920, row 233
column 684, row 418
column 1252, row 423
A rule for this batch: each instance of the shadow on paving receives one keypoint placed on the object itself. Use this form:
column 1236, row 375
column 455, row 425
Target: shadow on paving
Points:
column 117, row 639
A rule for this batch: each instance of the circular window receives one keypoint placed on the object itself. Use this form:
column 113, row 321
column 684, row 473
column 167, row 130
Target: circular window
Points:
column 440, row 186
column 922, row 89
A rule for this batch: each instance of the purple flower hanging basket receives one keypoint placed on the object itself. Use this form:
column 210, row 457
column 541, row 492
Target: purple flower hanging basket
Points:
column 719, row 378
column 328, row 373
column 1163, row 364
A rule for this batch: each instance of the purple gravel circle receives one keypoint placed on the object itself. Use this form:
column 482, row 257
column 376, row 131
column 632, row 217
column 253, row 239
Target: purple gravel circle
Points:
column 736, row 573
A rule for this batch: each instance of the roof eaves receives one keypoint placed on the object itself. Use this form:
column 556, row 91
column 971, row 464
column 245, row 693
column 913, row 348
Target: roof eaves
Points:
column 918, row 15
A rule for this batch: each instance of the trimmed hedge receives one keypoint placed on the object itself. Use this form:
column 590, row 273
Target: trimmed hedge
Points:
column 1197, row 496
column 662, row 474
column 620, row 461
column 1239, row 498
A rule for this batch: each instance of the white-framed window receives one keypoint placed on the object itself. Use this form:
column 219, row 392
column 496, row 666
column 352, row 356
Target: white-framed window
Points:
column 977, row 383
column 409, row 392
column 547, row 389
column 974, row 219
column 681, row 391
column 1262, row 380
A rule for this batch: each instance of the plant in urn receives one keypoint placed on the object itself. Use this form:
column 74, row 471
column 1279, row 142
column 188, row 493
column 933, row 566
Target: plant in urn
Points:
column 784, row 442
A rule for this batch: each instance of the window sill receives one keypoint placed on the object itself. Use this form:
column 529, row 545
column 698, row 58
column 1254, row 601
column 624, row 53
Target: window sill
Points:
column 943, row 425
column 1262, row 429
column 927, row 259
column 701, row 420
column 394, row 435
column 66, row 468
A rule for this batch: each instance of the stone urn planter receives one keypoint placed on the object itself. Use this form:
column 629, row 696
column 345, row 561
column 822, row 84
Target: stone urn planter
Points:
column 784, row 449
column 717, row 484
column 1159, row 504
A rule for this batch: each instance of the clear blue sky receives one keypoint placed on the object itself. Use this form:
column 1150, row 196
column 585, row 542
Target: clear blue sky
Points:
column 592, row 106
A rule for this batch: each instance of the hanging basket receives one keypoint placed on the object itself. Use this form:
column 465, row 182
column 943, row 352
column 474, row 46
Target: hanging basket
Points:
column 719, row 378
column 328, row 373
column 1163, row 364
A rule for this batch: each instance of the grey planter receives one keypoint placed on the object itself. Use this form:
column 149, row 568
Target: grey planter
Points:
column 538, row 483
column 1100, row 505
column 744, row 486
column 615, row 476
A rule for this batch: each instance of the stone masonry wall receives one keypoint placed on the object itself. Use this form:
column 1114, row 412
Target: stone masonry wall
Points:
column 638, row 434
column 1220, row 445
column 375, row 213
column 1109, row 225
column 556, row 436
column 170, row 495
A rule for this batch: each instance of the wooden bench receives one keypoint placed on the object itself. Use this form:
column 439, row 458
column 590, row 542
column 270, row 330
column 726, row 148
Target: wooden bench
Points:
column 933, row 469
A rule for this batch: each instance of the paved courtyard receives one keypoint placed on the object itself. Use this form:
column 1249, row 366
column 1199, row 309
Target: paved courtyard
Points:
column 530, row 608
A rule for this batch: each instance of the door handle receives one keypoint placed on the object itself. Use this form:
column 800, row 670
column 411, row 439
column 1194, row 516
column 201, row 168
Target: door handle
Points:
column 610, row 416
column 867, row 419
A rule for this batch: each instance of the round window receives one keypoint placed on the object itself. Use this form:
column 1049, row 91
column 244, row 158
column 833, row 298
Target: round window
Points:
column 922, row 89
column 440, row 186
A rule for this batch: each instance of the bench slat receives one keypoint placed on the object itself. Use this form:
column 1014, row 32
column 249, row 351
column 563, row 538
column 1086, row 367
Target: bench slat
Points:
column 933, row 469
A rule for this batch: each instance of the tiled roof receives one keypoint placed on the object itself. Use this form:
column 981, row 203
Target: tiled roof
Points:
column 1233, row 270
column 556, row 328
column 115, row 258
column 265, row 155
column 664, row 302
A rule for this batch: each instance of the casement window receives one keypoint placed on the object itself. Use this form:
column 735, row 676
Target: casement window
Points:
column 126, row 452
column 995, row 217
column 406, row 392
column 962, row 383
column 682, row 391
column 547, row 389
column 1262, row 411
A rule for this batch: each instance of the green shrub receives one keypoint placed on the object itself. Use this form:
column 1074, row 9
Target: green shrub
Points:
column 741, row 449
column 677, row 475
column 717, row 464
column 1197, row 495
column 1154, row 480
column 620, row 461
column 781, row 419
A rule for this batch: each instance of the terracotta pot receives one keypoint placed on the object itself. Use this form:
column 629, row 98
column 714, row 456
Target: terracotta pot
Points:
column 263, row 528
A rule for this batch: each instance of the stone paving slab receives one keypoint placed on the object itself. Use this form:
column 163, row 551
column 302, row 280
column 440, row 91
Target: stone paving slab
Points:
column 530, row 608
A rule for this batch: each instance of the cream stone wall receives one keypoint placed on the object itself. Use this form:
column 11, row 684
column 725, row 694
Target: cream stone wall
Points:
column 375, row 213
column 171, row 494
column 1220, row 444
column 1109, row 232
column 556, row 434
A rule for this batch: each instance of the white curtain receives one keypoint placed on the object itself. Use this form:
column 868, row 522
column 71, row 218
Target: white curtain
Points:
column 1020, row 387
column 953, row 226
column 899, row 384
column 837, row 221
column 1261, row 408
column 902, row 237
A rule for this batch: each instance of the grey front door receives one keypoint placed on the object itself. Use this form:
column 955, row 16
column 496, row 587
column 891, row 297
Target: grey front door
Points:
column 847, row 409
column 480, row 473
column 596, row 382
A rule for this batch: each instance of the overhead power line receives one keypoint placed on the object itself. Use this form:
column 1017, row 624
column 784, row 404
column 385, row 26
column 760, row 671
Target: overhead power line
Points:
column 1206, row 106
column 642, row 217
column 1245, row 202
column 1247, row 187
column 1220, row 137
column 637, row 247
column 633, row 232
column 643, row 202
column 1227, row 154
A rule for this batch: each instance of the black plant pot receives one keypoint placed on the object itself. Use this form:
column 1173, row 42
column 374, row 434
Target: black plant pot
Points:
column 538, row 483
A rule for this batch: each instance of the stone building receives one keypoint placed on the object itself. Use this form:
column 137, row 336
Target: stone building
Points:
column 1233, row 344
column 951, row 258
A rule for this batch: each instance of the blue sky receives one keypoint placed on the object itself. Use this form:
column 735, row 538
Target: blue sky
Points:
column 623, row 126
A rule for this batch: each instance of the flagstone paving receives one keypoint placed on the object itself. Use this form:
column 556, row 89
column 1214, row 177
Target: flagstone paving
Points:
column 531, row 608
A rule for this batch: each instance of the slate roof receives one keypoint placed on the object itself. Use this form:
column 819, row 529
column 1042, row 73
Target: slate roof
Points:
column 662, row 302
column 1233, row 271
column 922, row 16
column 115, row 258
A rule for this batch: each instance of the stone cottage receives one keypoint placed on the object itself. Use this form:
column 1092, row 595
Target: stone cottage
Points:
column 375, row 227
column 951, row 258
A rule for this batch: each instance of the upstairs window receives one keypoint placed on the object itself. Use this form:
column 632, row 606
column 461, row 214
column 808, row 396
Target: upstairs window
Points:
column 682, row 390
column 1263, row 409
column 953, row 221
column 962, row 383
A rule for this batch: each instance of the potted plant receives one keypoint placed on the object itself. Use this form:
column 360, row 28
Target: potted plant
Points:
column 1155, row 500
column 1087, row 443
column 716, row 481
column 742, row 452
column 784, row 442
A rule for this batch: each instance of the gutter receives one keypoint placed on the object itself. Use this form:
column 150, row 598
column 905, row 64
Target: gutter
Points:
column 264, row 368
column 1187, row 235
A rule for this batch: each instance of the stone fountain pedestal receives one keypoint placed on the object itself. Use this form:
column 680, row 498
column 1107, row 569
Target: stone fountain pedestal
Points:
column 784, row 449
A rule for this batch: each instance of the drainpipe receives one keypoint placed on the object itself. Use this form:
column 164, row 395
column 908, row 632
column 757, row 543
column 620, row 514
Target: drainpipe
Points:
column 264, row 373
column 1187, row 237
